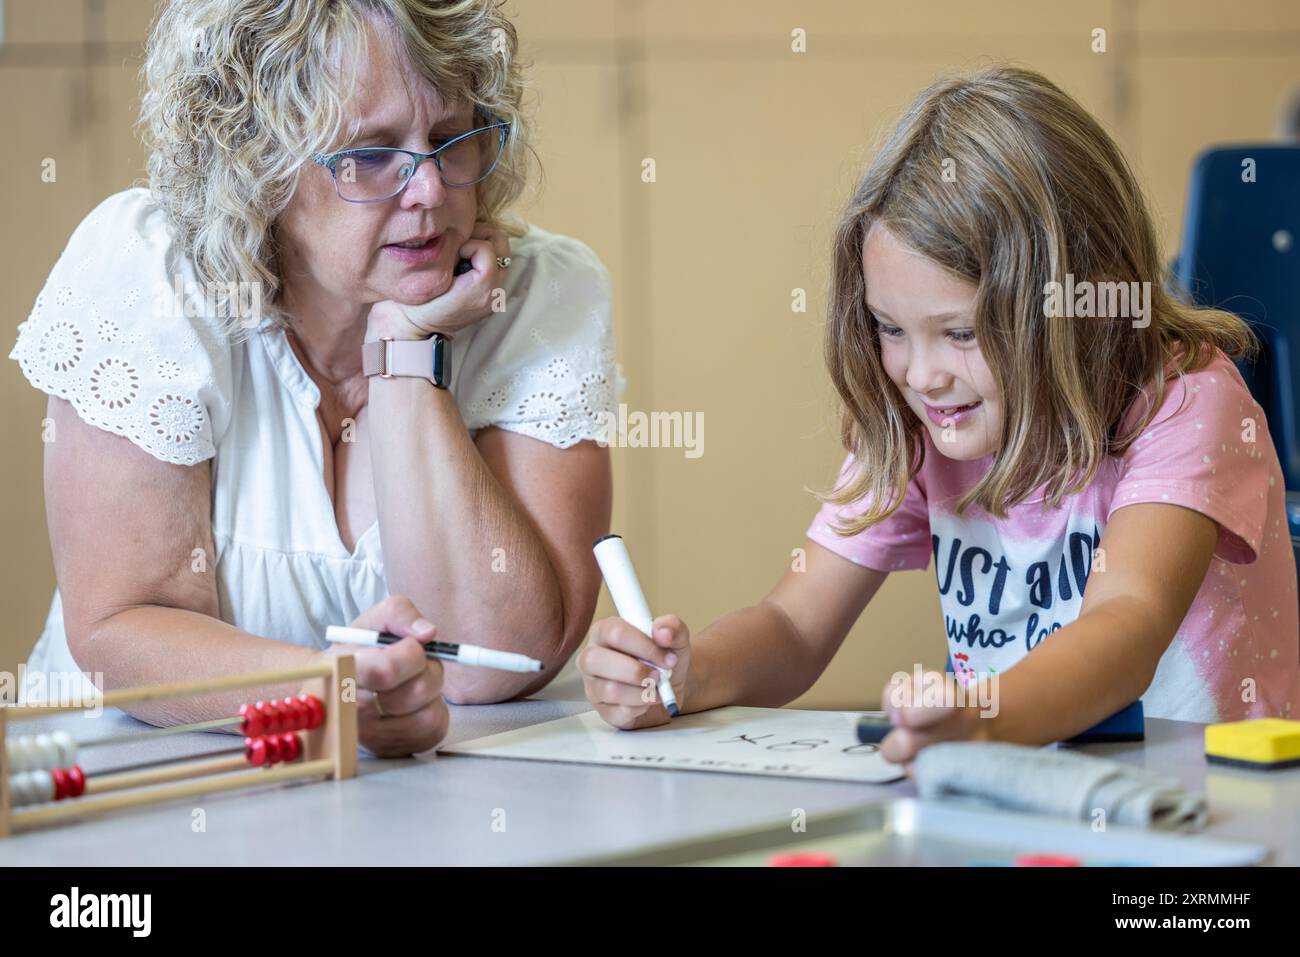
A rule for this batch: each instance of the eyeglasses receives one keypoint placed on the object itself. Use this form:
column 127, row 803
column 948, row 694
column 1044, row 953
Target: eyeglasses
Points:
column 372, row 174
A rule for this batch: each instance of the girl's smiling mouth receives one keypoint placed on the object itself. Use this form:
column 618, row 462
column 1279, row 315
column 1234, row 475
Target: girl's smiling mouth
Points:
column 951, row 415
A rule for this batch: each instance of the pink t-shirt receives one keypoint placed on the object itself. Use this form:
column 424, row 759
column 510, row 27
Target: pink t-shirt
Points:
column 1006, row 584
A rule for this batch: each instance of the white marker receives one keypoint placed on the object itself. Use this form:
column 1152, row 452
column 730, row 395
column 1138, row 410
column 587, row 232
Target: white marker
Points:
column 620, row 578
column 442, row 650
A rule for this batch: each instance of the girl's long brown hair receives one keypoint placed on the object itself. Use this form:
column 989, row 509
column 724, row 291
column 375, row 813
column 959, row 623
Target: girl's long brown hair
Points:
column 1003, row 179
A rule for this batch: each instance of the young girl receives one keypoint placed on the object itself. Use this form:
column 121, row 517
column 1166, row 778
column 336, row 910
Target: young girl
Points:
column 1025, row 403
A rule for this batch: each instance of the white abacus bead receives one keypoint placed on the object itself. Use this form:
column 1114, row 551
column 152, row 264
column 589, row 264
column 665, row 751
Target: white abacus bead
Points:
column 67, row 748
column 34, row 752
column 30, row 753
column 44, row 782
column 19, row 789
column 31, row 787
column 47, row 751
column 22, row 756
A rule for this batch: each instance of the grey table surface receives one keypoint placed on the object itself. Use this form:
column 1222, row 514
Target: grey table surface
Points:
column 459, row 810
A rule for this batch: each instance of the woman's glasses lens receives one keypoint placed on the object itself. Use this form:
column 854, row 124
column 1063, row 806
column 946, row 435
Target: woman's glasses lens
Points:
column 367, row 175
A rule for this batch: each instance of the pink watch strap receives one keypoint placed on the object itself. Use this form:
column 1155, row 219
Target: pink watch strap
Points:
column 398, row 357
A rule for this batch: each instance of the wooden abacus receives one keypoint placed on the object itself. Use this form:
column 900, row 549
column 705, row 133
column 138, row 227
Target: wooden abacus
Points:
column 312, row 735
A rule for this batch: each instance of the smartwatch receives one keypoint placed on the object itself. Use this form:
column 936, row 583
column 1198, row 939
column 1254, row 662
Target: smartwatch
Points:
column 421, row 358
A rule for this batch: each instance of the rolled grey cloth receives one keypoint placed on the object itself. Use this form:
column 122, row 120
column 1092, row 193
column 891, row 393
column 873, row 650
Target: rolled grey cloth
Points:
column 1060, row 783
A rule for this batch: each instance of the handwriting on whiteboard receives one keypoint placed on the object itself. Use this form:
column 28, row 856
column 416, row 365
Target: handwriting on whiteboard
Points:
column 757, row 741
column 778, row 742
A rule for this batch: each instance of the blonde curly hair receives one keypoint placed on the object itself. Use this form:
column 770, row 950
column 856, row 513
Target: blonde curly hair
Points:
column 239, row 94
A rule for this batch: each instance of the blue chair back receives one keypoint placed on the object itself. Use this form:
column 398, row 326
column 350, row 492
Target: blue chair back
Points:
column 1241, row 252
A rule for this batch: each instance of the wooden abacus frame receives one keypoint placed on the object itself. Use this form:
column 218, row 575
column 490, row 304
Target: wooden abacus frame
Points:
column 330, row 750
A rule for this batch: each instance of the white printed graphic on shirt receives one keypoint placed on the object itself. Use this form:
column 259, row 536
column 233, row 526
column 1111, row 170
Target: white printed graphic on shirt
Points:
column 1002, row 596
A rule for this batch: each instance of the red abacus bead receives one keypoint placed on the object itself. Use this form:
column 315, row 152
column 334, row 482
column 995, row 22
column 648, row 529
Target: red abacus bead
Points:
column 60, row 777
column 285, row 706
column 1047, row 860
column 264, row 716
column 281, row 717
column 315, row 711
column 270, row 717
column 255, row 751
column 76, row 781
column 292, row 747
column 297, row 712
column 802, row 859
column 252, row 725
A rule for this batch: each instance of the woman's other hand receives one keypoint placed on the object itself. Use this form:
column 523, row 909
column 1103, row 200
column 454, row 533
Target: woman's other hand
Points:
column 401, row 711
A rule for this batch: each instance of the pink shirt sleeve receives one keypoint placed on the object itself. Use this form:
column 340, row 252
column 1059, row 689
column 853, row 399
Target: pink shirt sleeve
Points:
column 900, row 542
column 1208, row 449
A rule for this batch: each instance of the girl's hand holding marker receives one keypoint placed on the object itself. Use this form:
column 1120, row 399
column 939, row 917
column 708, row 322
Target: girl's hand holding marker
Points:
column 633, row 668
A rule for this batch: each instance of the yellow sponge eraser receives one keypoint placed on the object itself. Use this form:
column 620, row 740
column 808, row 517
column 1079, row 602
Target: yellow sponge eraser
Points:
column 1260, row 742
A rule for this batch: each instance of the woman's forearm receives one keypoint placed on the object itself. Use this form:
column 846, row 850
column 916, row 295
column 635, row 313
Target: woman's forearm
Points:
column 454, row 540
column 152, row 644
column 752, row 657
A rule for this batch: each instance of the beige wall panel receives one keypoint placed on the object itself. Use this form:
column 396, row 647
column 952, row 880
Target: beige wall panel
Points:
column 47, row 107
column 1217, row 17
column 1185, row 103
column 122, row 162
column 568, row 21
column 127, row 21
column 44, row 22
column 839, row 21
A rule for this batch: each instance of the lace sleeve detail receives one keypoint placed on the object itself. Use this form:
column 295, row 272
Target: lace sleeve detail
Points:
column 109, row 334
column 545, row 367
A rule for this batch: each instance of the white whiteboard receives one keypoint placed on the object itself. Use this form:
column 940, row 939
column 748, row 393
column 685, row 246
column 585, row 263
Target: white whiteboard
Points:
column 775, row 742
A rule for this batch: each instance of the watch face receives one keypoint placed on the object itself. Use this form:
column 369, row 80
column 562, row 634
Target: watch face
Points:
column 441, row 362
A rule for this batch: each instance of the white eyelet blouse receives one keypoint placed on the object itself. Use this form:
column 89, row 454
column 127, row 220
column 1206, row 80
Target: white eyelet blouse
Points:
column 107, row 335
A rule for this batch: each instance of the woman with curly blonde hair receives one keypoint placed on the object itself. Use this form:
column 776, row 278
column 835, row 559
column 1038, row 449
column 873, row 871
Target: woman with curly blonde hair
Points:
column 315, row 374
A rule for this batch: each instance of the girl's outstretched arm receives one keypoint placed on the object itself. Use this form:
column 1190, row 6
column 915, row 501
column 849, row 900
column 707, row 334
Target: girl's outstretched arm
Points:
column 1156, row 557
